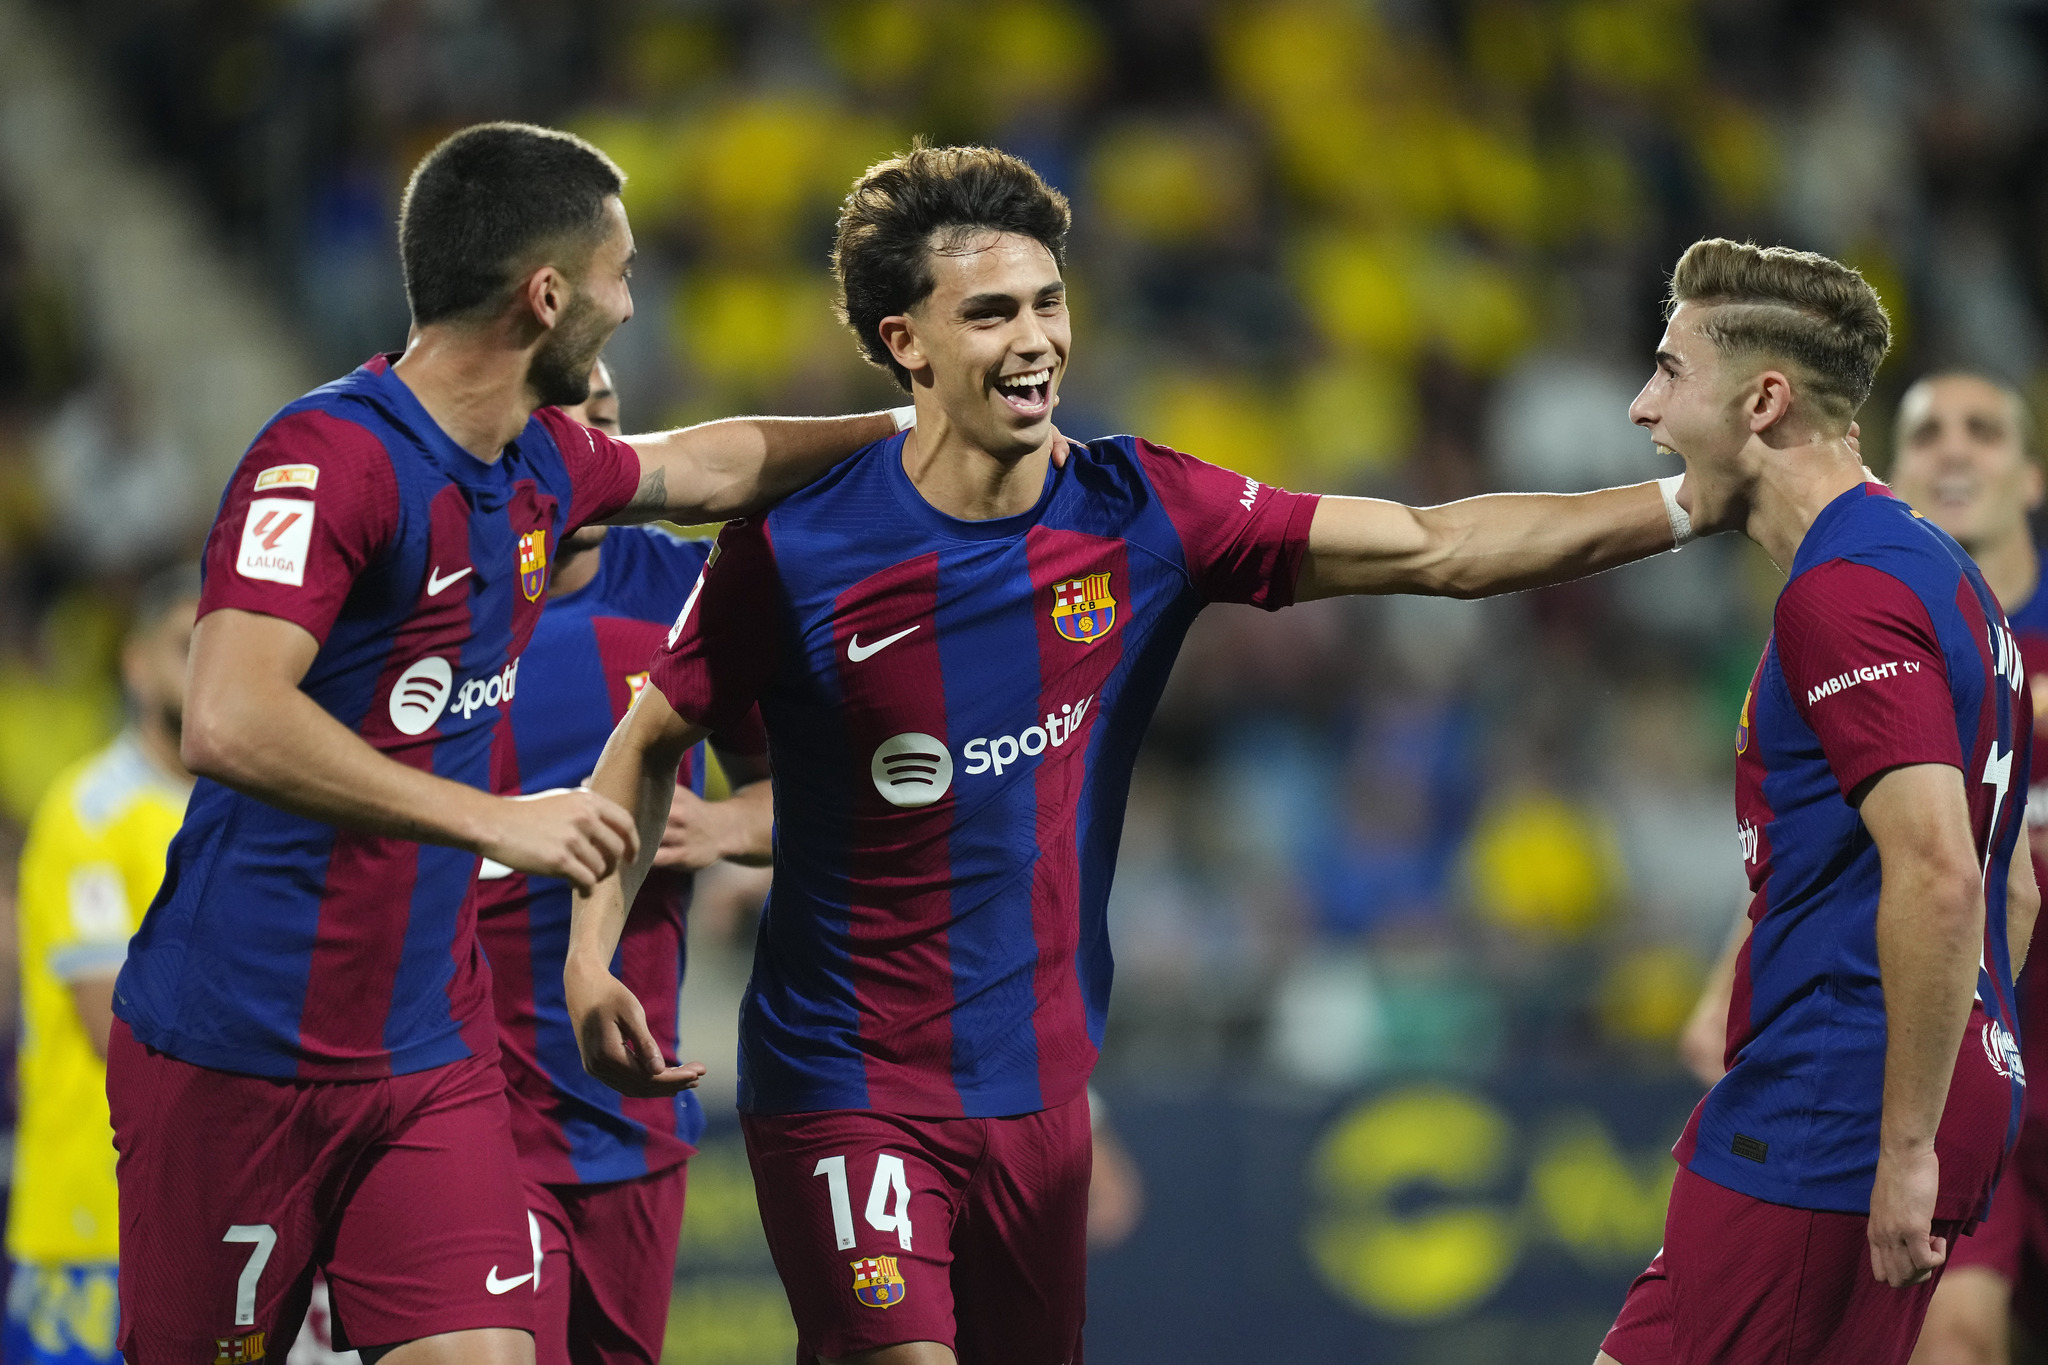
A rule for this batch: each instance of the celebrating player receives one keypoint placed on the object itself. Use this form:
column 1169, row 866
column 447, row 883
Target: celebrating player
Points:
column 305, row 1070
column 956, row 648
column 1880, row 794
column 604, row 1174
column 94, row 858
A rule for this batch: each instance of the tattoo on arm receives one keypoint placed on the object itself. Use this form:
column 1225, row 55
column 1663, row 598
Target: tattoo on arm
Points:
column 652, row 494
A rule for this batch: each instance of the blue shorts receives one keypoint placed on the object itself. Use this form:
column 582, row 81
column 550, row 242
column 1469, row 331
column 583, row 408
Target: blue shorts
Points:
column 63, row 1314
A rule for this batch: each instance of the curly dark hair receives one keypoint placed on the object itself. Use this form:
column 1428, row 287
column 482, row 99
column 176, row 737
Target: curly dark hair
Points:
column 930, row 200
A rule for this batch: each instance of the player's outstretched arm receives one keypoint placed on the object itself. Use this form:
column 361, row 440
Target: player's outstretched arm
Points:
column 1930, row 935
column 1476, row 547
column 739, row 829
column 249, row 726
column 716, row 471
column 637, row 770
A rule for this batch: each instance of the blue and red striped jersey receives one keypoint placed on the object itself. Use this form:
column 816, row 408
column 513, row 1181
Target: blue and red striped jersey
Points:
column 588, row 659
column 1887, row 649
column 953, row 708
column 282, row 946
column 2030, row 628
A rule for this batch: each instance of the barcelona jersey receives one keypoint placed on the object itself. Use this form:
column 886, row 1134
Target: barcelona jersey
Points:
column 2030, row 628
column 1887, row 649
column 282, row 946
column 953, row 709
column 587, row 661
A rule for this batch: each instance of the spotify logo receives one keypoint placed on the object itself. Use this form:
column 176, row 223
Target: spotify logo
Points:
column 420, row 695
column 911, row 770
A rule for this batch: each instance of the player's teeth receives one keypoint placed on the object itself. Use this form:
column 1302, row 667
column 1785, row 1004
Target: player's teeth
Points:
column 1025, row 381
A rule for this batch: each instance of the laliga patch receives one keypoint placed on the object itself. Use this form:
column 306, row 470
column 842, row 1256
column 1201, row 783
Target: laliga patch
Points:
column 306, row 476
column 877, row 1283
column 275, row 540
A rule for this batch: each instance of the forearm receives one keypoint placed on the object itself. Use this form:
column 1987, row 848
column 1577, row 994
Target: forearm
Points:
column 1930, row 926
column 720, row 470
column 750, row 836
column 279, row 745
column 640, row 777
column 1476, row 547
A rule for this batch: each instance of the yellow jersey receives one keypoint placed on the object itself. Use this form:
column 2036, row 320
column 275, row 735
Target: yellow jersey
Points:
column 92, row 864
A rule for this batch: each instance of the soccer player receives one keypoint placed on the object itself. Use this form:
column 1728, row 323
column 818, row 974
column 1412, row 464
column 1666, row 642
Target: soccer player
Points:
column 305, row 1069
column 1881, row 767
column 956, row 647
column 1968, row 459
column 604, row 1174
column 94, row 857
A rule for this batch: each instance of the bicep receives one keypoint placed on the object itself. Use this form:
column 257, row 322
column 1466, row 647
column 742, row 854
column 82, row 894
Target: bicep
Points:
column 233, row 649
column 1363, row 545
column 1919, row 813
column 652, row 733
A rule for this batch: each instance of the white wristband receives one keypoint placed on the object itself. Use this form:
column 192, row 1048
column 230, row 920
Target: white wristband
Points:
column 905, row 418
column 1681, row 523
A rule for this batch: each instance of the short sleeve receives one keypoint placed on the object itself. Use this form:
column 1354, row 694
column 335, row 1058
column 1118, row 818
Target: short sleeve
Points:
column 311, row 504
column 604, row 472
column 1867, row 672
column 722, row 651
column 1243, row 540
column 748, row 736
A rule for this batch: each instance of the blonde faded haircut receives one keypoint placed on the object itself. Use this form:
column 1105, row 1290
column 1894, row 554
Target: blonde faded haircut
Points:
column 1792, row 306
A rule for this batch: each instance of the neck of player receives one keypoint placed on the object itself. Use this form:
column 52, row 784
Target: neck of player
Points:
column 472, row 380
column 956, row 474
column 1792, row 485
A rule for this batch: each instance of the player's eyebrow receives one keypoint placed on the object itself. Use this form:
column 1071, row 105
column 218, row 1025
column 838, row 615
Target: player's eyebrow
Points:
column 992, row 299
column 1669, row 360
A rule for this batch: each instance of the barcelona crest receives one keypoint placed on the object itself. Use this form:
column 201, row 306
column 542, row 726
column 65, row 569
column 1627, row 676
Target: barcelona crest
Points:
column 533, row 564
column 1082, row 608
column 876, row 1283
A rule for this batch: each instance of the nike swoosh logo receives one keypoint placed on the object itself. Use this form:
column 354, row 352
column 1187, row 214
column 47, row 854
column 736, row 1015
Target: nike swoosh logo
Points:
column 498, row 1286
column 435, row 582
column 856, row 651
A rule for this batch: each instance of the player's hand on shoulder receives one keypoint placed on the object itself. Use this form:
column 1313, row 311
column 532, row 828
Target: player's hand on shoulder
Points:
column 572, row 833
column 612, row 1036
column 1903, row 1249
column 695, row 836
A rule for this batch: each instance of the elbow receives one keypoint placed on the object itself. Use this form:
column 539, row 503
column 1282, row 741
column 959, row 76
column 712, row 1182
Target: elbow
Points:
column 210, row 748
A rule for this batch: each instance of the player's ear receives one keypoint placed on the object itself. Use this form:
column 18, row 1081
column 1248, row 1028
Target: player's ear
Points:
column 899, row 334
column 2032, row 483
column 1770, row 399
column 546, row 295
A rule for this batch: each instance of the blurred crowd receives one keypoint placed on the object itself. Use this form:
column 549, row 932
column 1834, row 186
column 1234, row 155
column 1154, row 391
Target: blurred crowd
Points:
column 1413, row 249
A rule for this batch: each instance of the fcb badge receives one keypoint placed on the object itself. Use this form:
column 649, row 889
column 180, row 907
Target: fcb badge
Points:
column 533, row 564
column 243, row 1350
column 1082, row 608
column 876, row 1283
column 1742, row 726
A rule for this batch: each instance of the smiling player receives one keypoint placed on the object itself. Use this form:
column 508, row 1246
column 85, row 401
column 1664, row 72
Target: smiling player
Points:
column 956, row 648
column 1880, row 792
column 304, row 1074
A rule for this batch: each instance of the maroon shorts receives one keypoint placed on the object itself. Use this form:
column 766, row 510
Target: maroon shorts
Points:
column 968, row 1232
column 2012, row 1242
column 607, row 1269
column 1744, row 1282
column 234, row 1189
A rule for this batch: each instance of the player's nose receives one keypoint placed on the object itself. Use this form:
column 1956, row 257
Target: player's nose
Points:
column 1642, row 412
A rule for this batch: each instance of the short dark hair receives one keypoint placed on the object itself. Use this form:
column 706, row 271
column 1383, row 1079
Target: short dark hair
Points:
column 931, row 199
column 1797, row 306
column 485, row 202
